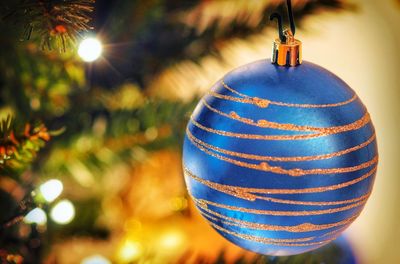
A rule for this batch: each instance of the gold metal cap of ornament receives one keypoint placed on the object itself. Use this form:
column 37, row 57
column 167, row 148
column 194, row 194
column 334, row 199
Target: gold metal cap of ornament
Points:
column 287, row 53
column 286, row 50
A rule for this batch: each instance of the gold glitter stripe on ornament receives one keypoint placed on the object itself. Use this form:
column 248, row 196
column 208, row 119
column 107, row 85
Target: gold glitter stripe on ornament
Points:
column 264, row 166
column 261, row 103
column 243, row 192
column 271, row 158
column 266, row 240
column 305, row 227
column 332, row 233
column 338, row 231
column 255, row 136
column 279, row 213
column 304, row 239
column 291, row 127
column 253, row 197
column 265, row 102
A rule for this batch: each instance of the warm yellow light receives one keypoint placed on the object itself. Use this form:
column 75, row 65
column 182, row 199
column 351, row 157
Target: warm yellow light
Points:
column 90, row 49
column 36, row 216
column 129, row 251
column 51, row 189
column 172, row 239
column 95, row 259
column 63, row 212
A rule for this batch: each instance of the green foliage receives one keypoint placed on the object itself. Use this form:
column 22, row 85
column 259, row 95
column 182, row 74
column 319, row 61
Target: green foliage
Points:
column 19, row 146
column 56, row 23
column 107, row 130
column 34, row 88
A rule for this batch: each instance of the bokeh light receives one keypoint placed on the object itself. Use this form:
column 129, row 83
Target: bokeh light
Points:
column 63, row 212
column 129, row 251
column 90, row 49
column 36, row 216
column 51, row 189
column 178, row 203
column 172, row 239
column 95, row 259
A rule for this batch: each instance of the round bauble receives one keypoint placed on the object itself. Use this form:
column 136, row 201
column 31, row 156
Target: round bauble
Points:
column 280, row 160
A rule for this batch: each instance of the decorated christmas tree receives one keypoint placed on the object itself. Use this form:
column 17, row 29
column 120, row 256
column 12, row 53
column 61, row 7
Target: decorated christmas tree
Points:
column 94, row 100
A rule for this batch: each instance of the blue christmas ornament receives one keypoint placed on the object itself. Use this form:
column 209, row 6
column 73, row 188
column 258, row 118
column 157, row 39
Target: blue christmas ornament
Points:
column 279, row 159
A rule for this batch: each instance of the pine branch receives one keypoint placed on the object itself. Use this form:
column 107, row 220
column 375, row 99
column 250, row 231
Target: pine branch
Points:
column 243, row 16
column 18, row 146
column 55, row 22
column 228, row 39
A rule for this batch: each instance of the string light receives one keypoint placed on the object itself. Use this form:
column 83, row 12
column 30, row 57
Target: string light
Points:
column 51, row 189
column 63, row 212
column 95, row 259
column 36, row 216
column 90, row 49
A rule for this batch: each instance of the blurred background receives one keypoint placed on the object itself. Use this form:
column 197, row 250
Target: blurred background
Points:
column 91, row 131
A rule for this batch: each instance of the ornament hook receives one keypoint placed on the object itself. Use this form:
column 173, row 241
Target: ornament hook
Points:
column 286, row 50
column 278, row 17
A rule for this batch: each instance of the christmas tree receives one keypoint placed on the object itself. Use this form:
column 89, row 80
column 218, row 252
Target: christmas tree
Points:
column 90, row 166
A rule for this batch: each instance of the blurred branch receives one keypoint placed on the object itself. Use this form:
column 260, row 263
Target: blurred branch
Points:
column 23, row 208
column 190, row 31
column 238, row 35
column 225, row 17
column 36, row 84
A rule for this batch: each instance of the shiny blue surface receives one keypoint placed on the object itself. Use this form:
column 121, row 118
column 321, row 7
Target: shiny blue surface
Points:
column 306, row 84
